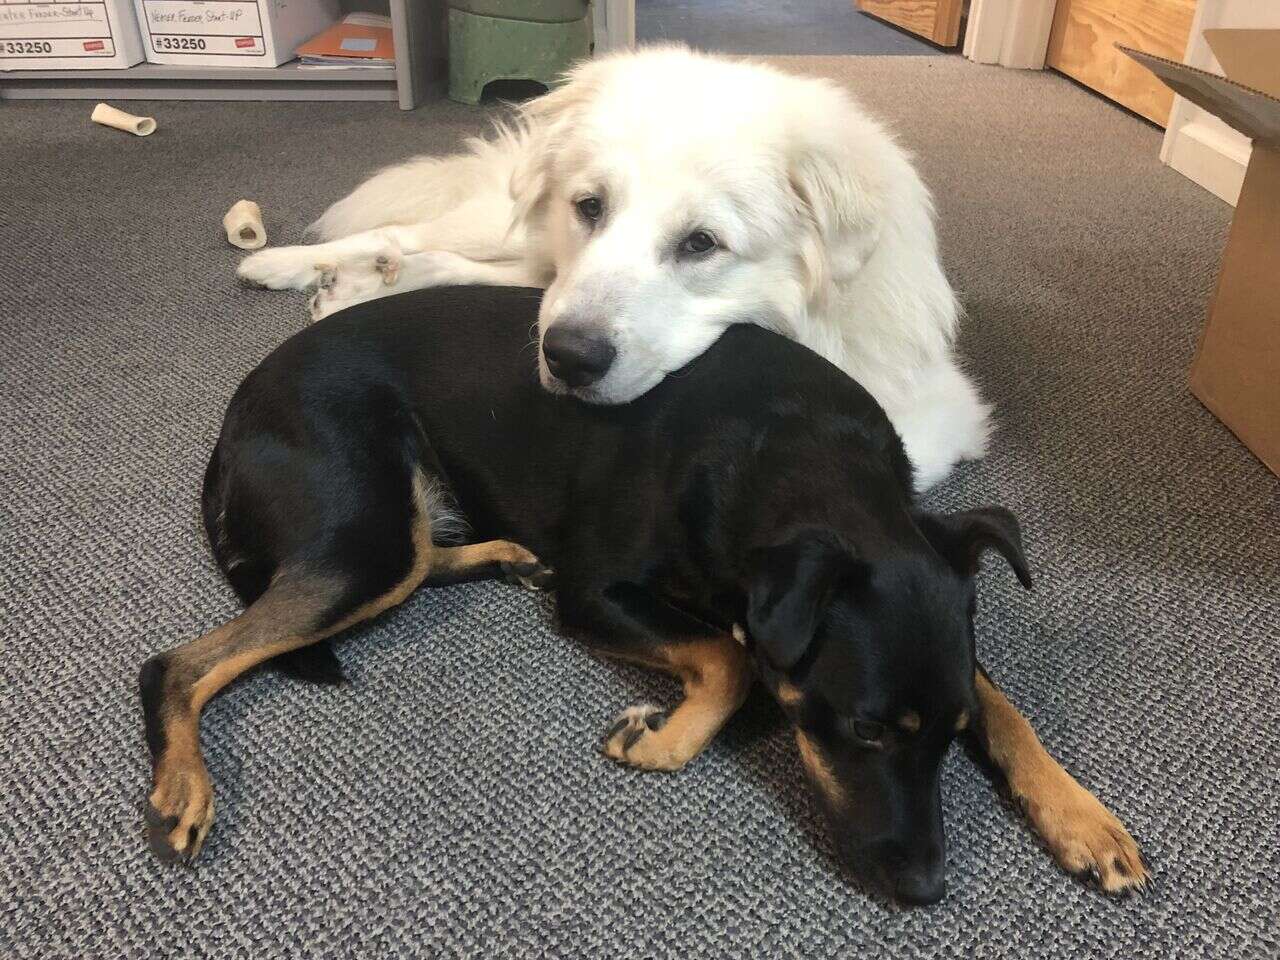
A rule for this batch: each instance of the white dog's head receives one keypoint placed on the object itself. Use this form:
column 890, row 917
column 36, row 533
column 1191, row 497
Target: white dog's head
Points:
column 677, row 193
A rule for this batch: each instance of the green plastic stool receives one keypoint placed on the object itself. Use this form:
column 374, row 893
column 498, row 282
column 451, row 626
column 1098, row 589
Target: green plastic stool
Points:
column 513, row 40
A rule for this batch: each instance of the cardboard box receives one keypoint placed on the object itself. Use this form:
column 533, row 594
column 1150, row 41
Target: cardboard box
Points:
column 1236, row 372
column 230, row 33
column 68, row 35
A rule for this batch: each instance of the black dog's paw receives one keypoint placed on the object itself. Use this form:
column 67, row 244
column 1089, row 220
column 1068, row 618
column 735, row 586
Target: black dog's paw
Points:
column 636, row 738
column 533, row 575
column 159, row 830
column 1085, row 837
column 179, row 814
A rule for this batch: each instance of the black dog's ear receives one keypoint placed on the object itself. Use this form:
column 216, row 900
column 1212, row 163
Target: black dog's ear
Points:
column 963, row 537
column 790, row 585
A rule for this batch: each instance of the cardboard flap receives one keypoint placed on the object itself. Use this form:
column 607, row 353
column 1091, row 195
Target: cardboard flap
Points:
column 1252, row 112
column 1249, row 57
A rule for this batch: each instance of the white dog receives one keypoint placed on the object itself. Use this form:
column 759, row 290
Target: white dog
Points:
column 659, row 196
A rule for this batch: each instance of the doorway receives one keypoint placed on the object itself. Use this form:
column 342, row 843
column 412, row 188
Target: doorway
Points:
column 774, row 27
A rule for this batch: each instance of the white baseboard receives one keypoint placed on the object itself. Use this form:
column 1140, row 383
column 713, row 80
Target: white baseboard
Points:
column 1209, row 156
column 1196, row 143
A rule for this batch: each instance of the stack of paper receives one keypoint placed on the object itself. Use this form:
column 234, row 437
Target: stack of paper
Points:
column 358, row 40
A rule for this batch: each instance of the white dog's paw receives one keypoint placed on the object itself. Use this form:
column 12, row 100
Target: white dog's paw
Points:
column 323, row 293
column 345, row 286
column 301, row 268
column 282, row 268
column 370, row 254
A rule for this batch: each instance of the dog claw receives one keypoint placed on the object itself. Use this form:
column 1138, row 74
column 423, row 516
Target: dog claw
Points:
column 154, row 818
column 159, row 828
column 630, row 729
column 531, row 576
column 617, row 728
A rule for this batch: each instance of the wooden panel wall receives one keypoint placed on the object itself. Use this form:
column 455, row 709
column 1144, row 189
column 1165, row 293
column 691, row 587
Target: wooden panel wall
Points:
column 935, row 20
column 1082, row 45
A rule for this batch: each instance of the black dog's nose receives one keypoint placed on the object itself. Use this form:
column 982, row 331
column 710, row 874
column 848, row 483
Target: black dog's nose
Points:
column 576, row 355
column 921, row 886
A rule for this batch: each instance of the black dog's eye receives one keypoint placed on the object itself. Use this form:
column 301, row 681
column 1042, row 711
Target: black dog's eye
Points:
column 698, row 242
column 868, row 730
column 590, row 208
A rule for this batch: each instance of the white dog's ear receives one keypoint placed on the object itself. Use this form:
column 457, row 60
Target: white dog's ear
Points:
column 839, row 179
column 545, row 123
column 530, row 179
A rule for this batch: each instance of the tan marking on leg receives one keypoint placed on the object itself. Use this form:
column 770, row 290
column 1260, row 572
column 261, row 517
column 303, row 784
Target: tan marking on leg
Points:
column 1082, row 834
column 453, row 561
column 910, row 721
column 181, row 802
column 182, row 799
column 457, row 563
column 283, row 619
column 789, row 694
column 962, row 721
column 820, row 770
column 716, row 679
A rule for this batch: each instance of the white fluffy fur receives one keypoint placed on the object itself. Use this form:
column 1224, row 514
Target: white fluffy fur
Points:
column 825, row 232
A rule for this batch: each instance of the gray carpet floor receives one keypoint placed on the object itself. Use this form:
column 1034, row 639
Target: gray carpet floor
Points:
column 450, row 801
column 762, row 27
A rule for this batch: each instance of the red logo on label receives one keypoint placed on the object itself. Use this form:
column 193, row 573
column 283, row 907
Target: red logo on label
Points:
column 94, row 45
column 242, row 42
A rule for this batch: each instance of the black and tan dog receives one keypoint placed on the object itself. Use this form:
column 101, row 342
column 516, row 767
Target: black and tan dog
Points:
column 759, row 487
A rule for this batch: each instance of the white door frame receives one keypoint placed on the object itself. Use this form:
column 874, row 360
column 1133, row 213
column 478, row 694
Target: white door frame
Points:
column 614, row 24
column 1012, row 33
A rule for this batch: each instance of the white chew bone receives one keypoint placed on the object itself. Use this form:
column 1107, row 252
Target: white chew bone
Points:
column 111, row 117
column 243, row 223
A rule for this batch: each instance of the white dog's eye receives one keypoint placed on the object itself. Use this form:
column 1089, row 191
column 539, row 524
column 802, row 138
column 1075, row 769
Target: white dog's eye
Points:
column 589, row 208
column 698, row 242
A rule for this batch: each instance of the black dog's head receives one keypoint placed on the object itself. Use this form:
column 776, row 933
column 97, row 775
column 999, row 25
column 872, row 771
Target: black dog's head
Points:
column 870, row 654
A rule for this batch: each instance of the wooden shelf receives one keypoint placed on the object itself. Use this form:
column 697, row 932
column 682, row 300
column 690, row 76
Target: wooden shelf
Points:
column 155, row 81
column 285, row 73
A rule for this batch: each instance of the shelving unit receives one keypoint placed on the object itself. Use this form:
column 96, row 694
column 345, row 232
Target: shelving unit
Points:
column 419, row 41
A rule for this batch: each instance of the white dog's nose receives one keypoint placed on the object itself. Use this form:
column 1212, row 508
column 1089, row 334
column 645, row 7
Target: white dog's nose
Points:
column 576, row 354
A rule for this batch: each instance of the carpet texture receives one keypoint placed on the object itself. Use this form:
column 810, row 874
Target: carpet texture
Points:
column 450, row 801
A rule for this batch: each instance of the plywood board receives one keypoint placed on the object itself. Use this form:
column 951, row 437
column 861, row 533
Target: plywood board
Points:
column 1083, row 46
column 938, row 21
